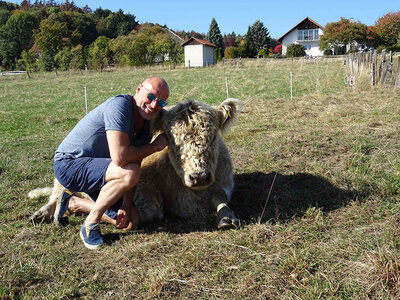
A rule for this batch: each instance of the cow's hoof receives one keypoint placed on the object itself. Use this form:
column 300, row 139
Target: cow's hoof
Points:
column 39, row 217
column 228, row 223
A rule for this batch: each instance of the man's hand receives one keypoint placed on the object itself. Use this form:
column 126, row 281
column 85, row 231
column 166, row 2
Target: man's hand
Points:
column 160, row 142
column 127, row 221
column 123, row 218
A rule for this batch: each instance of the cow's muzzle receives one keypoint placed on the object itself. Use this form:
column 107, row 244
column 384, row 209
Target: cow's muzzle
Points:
column 200, row 179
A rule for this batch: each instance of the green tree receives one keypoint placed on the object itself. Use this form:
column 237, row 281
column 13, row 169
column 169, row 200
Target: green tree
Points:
column 295, row 50
column 4, row 16
column 15, row 36
column 250, row 47
column 78, row 60
column 86, row 26
column 343, row 32
column 100, row 53
column 214, row 36
column 117, row 24
column 63, row 59
column 29, row 60
column 152, row 44
column 261, row 38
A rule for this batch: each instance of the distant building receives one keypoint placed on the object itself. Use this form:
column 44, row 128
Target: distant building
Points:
column 306, row 33
column 198, row 52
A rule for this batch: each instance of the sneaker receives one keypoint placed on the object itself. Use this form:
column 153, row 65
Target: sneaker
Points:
column 61, row 213
column 91, row 236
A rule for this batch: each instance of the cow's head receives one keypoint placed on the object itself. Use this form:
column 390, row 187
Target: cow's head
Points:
column 192, row 129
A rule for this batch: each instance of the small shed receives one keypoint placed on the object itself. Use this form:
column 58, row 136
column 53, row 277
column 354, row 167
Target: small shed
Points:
column 198, row 52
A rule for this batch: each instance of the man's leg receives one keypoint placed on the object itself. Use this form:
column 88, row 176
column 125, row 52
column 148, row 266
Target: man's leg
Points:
column 118, row 182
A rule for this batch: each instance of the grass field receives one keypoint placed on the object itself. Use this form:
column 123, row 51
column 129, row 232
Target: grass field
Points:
column 317, row 191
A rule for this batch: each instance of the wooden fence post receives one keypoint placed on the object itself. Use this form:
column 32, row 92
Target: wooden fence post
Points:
column 373, row 72
column 387, row 68
column 397, row 82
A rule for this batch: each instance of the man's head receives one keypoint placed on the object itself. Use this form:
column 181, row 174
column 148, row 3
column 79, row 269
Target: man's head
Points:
column 148, row 96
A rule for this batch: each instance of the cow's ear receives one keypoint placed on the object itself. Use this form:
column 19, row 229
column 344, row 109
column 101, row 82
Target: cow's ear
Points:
column 229, row 111
column 156, row 124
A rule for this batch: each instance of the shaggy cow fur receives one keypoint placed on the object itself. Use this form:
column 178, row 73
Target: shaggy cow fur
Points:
column 192, row 173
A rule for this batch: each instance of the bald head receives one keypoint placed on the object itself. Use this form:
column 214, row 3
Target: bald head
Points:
column 158, row 86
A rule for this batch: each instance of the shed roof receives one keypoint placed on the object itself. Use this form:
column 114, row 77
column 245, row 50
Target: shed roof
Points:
column 204, row 42
column 305, row 20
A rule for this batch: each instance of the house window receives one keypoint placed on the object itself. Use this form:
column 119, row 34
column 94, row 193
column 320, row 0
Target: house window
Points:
column 308, row 35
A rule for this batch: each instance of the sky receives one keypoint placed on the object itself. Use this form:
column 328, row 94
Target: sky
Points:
column 231, row 15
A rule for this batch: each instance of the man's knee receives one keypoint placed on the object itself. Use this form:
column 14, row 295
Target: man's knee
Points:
column 131, row 174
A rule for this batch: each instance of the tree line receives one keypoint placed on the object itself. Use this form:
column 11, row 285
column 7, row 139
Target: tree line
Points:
column 46, row 35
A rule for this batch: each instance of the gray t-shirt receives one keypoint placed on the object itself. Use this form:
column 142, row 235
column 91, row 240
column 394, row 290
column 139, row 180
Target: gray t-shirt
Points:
column 88, row 138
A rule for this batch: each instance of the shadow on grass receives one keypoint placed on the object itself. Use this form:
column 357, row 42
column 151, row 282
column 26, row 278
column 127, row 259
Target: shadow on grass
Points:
column 284, row 196
column 290, row 196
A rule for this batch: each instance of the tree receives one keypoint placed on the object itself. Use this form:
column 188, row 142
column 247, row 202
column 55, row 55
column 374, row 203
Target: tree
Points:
column 15, row 36
column 386, row 31
column 100, row 53
column 4, row 16
column 117, row 24
column 295, row 50
column 152, row 44
column 250, row 47
column 230, row 40
column 214, row 36
column 78, row 60
column 257, row 38
column 261, row 36
column 343, row 32
column 86, row 26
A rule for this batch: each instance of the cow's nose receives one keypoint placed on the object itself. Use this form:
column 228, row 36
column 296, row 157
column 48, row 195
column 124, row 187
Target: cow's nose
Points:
column 200, row 179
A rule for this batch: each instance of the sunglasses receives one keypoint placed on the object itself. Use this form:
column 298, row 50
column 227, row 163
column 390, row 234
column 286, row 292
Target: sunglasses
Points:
column 152, row 97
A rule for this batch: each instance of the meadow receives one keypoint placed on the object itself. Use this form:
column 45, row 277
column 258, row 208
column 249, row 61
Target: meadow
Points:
column 317, row 191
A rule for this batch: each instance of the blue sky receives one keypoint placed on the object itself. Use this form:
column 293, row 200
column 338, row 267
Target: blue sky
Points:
column 278, row 16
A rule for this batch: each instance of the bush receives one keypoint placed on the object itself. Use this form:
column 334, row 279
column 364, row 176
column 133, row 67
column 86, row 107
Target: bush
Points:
column 29, row 61
column 295, row 50
column 339, row 50
column 278, row 49
column 231, row 52
column 262, row 53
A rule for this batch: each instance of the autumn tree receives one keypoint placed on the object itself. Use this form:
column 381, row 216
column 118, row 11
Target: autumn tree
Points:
column 51, row 36
column 343, row 33
column 386, row 31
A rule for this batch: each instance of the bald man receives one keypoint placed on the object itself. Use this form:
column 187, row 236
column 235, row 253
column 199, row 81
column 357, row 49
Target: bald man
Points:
column 101, row 156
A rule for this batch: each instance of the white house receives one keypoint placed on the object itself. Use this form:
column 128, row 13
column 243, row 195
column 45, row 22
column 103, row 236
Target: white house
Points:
column 306, row 33
column 198, row 52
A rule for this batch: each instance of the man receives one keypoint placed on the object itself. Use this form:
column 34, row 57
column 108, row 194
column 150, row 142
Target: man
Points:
column 101, row 156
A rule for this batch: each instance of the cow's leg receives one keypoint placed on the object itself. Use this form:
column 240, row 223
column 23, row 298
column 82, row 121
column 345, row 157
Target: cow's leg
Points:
column 221, row 196
column 150, row 209
column 46, row 212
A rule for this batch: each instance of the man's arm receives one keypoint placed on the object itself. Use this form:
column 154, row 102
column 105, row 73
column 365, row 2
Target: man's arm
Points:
column 122, row 153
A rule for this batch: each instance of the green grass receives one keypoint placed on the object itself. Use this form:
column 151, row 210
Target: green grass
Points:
column 325, row 166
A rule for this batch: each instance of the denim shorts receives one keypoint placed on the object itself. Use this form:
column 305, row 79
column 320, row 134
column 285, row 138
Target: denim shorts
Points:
column 85, row 174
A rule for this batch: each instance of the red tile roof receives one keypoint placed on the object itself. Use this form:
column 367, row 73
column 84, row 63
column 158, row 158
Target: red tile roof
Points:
column 204, row 42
